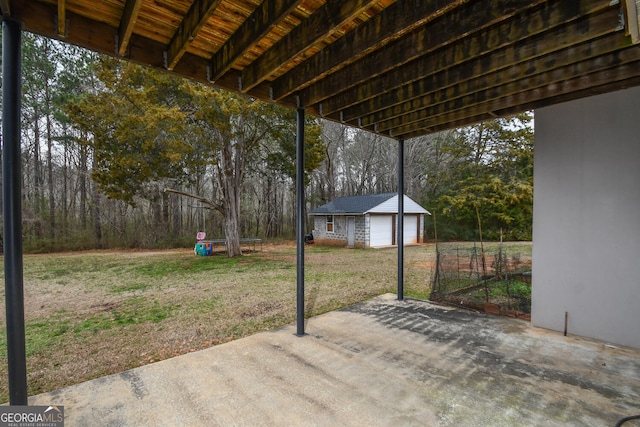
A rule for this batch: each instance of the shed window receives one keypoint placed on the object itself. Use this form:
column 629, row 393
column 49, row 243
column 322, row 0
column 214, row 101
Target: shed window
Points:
column 329, row 223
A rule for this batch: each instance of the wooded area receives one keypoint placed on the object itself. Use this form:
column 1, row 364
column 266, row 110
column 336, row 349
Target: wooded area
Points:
column 102, row 140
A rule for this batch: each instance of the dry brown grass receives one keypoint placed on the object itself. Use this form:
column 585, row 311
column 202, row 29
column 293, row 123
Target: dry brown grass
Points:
column 94, row 313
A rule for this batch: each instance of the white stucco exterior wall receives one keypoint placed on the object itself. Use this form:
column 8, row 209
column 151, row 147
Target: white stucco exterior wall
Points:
column 586, row 217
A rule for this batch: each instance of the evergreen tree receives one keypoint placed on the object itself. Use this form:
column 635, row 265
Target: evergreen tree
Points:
column 490, row 180
column 151, row 129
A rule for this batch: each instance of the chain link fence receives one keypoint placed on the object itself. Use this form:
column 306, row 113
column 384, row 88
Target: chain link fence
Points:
column 496, row 281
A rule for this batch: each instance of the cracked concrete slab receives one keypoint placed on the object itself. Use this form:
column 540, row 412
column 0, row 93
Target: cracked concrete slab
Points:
column 382, row 362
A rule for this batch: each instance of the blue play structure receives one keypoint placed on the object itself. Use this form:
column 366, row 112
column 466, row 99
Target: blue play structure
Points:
column 203, row 247
column 208, row 247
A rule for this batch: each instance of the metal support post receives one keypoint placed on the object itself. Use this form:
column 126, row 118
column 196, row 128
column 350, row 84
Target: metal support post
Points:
column 300, row 221
column 400, row 240
column 11, row 211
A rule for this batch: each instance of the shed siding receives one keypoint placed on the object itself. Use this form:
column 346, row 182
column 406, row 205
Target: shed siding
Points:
column 339, row 234
column 319, row 227
column 372, row 228
column 361, row 231
column 391, row 206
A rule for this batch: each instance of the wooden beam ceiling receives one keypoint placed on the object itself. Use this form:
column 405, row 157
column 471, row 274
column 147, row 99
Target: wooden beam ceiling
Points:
column 321, row 24
column 418, row 44
column 193, row 21
column 397, row 20
column 459, row 81
column 5, row 8
column 498, row 98
column 62, row 18
column 127, row 23
column 400, row 68
column 269, row 14
column 604, row 81
column 441, row 45
column 521, row 58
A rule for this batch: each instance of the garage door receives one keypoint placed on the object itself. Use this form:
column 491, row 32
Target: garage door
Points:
column 410, row 229
column 380, row 230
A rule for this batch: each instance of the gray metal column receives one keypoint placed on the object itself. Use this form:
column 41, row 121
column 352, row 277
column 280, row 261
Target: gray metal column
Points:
column 300, row 221
column 400, row 240
column 11, row 211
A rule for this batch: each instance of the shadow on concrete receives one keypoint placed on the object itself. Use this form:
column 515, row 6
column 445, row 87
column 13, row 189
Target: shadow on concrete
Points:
column 383, row 362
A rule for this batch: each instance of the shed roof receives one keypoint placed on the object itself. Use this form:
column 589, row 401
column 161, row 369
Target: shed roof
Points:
column 372, row 203
column 399, row 68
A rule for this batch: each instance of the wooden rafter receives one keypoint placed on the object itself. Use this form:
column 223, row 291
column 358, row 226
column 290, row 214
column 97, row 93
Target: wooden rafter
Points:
column 193, row 21
column 448, row 30
column 127, row 23
column 142, row 50
column 82, row 27
column 5, row 7
column 398, row 19
column 632, row 15
column 423, row 93
column 417, row 44
column 401, row 68
column 532, row 105
column 488, row 99
column 269, row 14
column 62, row 18
column 624, row 75
column 325, row 21
column 481, row 72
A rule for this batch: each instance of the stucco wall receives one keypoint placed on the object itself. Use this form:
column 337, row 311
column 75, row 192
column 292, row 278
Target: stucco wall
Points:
column 586, row 217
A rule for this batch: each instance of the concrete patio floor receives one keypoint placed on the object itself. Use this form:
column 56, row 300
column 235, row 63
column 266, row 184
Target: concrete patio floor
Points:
column 379, row 363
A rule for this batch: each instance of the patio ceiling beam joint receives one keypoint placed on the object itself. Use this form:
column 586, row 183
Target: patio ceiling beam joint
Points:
column 268, row 15
column 5, row 7
column 62, row 18
column 192, row 23
column 395, row 21
column 493, row 99
column 482, row 72
column 325, row 21
column 127, row 23
column 406, row 53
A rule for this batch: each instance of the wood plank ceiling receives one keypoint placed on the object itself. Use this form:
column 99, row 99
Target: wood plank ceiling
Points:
column 398, row 68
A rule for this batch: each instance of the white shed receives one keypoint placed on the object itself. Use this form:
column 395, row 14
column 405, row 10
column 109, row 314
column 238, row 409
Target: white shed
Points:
column 368, row 221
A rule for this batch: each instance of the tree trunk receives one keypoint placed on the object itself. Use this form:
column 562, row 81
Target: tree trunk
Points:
column 176, row 215
column 331, row 178
column 52, row 210
column 259, row 215
column 65, row 186
column 269, row 205
column 95, row 213
column 1, row 190
column 37, row 178
column 230, row 179
column 232, row 229
column 156, row 209
column 164, row 220
column 84, row 172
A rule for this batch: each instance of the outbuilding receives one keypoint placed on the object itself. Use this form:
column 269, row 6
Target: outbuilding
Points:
column 367, row 221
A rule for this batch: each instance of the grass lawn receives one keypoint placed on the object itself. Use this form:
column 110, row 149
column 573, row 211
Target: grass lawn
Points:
column 90, row 314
